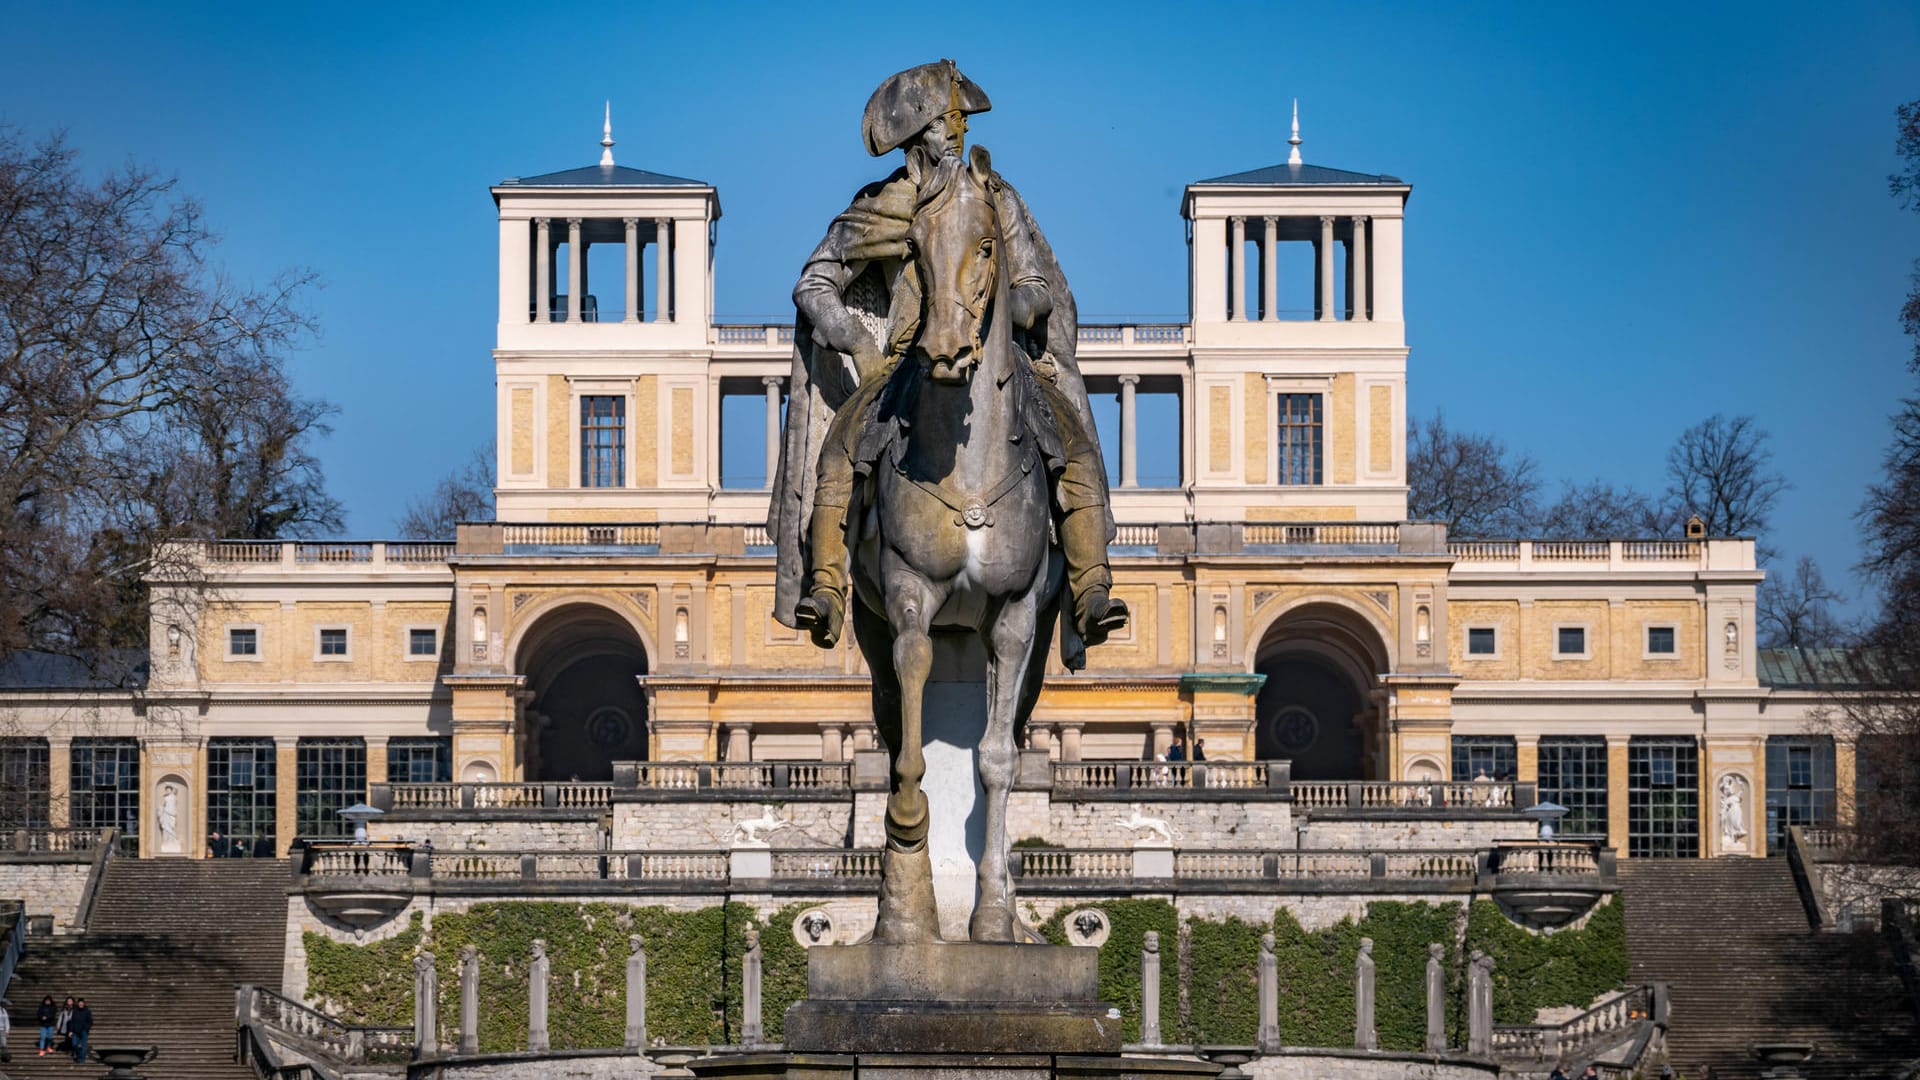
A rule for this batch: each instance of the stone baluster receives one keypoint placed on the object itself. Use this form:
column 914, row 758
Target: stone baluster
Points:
column 1364, row 1036
column 751, row 1031
column 1436, row 1000
column 1269, row 1038
column 426, row 998
column 636, row 993
column 537, row 973
column 1150, row 988
column 469, row 1000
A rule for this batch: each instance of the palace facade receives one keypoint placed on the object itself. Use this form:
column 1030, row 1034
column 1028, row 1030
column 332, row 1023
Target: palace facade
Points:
column 619, row 608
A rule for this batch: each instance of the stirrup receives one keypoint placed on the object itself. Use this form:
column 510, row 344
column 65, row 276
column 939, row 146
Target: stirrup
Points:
column 819, row 613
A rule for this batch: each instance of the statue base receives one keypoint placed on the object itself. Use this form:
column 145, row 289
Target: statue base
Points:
column 959, row 998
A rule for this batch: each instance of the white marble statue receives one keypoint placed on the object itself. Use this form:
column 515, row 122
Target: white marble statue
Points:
column 749, row 832
column 1733, row 811
column 1137, row 824
column 169, row 817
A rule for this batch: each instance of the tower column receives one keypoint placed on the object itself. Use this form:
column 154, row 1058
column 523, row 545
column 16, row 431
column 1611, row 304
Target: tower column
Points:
column 1270, row 272
column 1326, row 268
column 1237, row 260
column 1357, row 272
column 773, row 383
column 574, row 263
column 543, row 273
column 663, row 270
column 633, row 270
column 1129, row 433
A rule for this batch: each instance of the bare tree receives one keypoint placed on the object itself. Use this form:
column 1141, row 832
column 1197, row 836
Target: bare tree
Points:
column 1599, row 509
column 1795, row 610
column 1472, row 482
column 466, row 494
column 1722, row 470
column 143, row 398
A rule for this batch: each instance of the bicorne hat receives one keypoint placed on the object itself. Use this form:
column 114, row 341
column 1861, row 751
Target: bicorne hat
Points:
column 910, row 100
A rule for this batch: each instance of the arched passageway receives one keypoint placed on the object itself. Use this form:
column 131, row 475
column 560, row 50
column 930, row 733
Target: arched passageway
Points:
column 1317, row 707
column 585, row 709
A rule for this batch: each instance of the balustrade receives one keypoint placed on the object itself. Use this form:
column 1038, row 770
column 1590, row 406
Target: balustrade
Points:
column 344, row 1043
column 357, row 861
column 1407, row 795
column 1607, row 1024
column 860, row 864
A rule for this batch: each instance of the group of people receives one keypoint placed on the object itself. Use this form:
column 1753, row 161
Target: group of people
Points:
column 64, row 1028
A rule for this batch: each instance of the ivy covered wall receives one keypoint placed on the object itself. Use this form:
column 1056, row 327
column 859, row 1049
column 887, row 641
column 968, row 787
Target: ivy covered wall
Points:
column 1208, row 970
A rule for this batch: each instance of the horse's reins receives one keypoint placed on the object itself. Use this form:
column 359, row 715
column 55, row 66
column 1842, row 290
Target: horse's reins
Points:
column 976, row 512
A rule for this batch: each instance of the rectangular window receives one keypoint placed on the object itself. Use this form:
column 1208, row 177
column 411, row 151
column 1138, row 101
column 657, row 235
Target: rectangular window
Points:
column 25, row 783
column 1801, row 788
column 1482, row 641
column 1300, row 438
column 1573, row 773
column 1663, row 798
column 329, row 776
column 241, row 798
column 420, row 760
column 1660, row 641
column 603, row 441
column 243, row 641
column 423, row 641
column 333, row 641
column 1570, row 641
column 1484, row 757
column 105, row 777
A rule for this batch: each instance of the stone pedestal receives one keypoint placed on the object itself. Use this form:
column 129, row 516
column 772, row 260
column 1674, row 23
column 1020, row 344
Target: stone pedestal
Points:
column 960, row 998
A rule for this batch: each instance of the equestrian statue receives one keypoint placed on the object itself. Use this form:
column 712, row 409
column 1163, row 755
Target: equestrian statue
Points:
column 939, row 458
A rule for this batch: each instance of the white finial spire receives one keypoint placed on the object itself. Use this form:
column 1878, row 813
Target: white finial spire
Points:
column 1293, row 156
column 606, row 139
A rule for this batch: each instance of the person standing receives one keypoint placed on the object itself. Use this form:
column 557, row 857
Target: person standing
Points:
column 63, row 1025
column 1178, row 751
column 1199, row 749
column 79, row 1028
column 45, row 1017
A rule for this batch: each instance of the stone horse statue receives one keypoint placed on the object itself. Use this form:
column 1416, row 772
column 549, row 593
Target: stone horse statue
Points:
column 955, row 536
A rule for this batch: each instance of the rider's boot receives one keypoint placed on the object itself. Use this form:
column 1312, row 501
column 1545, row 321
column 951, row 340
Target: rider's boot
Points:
column 1083, row 541
column 822, row 612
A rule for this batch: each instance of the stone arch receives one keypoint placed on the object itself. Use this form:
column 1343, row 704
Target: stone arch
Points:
column 584, row 710
column 1323, row 656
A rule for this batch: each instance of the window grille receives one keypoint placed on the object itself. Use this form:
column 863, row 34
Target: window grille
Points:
column 1573, row 773
column 330, row 775
column 1492, row 757
column 25, row 783
column 105, row 781
column 1801, row 787
column 1663, row 798
column 420, row 761
column 603, row 441
column 1300, row 438
column 242, row 799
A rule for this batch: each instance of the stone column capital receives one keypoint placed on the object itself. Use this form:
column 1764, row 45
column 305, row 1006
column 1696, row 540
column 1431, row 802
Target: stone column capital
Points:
column 661, row 222
column 543, row 224
column 1272, row 220
column 1129, row 380
column 1238, row 219
column 630, row 223
column 1326, row 221
column 1361, row 220
column 574, row 222
column 773, row 381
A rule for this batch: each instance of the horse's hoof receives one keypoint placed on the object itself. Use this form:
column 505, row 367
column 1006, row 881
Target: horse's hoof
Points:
column 994, row 924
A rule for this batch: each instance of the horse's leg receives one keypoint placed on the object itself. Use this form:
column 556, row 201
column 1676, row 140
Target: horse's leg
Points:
column 907, row 909
column 1010, row 635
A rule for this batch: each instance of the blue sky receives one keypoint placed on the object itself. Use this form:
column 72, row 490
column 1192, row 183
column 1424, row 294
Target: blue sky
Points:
column 1624, row 217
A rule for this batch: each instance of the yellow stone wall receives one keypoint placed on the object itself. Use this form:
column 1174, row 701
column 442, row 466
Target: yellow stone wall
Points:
column 1220, row 428
column 1301, row 513
column 1341, row 418
column 1380, row 428
column 681, row 445
column 376, row 642
column 1254, row 398
column 559, row 432
column 645, row 432
column 520, row 458
column 1616, row 639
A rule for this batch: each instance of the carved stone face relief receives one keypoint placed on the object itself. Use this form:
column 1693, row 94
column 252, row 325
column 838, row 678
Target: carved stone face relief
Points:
column 813, row 927
column 1089, row 927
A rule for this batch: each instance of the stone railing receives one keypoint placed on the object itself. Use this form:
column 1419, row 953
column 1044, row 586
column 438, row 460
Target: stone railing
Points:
column 349, row 553
column 1397, row 870
column 275, row 1019
column 1127, row 780
column 1563, row 554
column 858, row 864
column 63, row 845
column 1315, row 534
column 1550, row 858
column 358, row 860
column 1620, row 1019
column 405, row 867
column 768, row 334
column 727, row 778
column 1128, row 334
column 13, row 934
column 487, row 798
column 1474, row 796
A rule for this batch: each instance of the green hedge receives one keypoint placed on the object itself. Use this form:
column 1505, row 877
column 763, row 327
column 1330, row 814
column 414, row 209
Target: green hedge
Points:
column 693, row 970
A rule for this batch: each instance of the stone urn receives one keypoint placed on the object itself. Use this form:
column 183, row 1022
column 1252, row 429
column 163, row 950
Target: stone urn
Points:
column 121, row 1060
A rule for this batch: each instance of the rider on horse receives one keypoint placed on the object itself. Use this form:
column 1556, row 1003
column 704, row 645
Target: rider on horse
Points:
column 859, row 302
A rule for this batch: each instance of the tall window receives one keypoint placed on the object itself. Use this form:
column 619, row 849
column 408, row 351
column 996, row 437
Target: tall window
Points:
column 1573, row 773
column 105, row 782
column 1663, row 798
column 420, row 761
column 329, row 776
column 603, row 441
column 241, row 797
column 1489, row 756
column 25, row 784
column 1800, row 785
column 1300, row 439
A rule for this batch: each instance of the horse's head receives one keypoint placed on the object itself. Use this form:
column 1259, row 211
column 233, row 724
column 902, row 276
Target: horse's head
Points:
column 956, row 250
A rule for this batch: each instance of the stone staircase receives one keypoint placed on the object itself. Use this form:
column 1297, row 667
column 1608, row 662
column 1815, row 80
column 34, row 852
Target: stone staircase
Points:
column 168, row 941
column 1731, row 940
